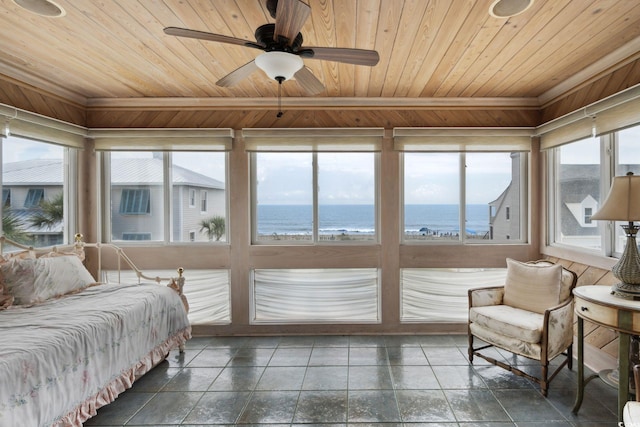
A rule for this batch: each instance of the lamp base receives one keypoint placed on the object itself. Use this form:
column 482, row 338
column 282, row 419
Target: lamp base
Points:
column 627, row 269
column 626, row 291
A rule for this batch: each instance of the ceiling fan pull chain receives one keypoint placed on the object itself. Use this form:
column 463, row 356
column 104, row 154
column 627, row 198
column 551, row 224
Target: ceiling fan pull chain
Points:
column 280, row 113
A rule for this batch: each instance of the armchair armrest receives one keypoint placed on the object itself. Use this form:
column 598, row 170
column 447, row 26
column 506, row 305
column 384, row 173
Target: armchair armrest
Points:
column 480, row 297
column 558, row 328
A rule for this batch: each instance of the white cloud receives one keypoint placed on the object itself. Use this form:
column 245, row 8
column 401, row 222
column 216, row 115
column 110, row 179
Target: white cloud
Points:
column 15, row 149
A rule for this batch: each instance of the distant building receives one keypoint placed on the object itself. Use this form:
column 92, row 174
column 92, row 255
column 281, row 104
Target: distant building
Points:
column 579, row 195
column 24, row 185
column 504, row 212
column 136, row 190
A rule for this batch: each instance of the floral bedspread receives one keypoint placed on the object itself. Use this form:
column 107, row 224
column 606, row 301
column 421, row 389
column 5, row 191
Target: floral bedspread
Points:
column 59, row 354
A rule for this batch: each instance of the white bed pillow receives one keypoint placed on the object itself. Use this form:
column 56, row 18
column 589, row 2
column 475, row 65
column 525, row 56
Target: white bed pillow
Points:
column 35, row 280
column 532, row 287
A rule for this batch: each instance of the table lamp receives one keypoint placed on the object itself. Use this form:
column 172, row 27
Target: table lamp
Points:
column 623, row 204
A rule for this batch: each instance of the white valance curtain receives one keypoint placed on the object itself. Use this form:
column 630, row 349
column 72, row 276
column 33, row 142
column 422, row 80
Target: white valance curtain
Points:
column 162, row 139
column 579, row 129
column 462, row 139
column 614, row 113
column 208, row 293
column 313, row 139
column 440, row 295
column 285, row 296
column 14, row 121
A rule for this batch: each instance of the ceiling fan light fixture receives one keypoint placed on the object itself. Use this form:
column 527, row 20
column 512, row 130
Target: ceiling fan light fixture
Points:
column 508, row 8
column 279, row 66
column 44, row 8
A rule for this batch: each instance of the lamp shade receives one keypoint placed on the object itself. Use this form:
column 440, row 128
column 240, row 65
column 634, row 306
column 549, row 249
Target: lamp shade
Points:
column 279, row 65
column 623, row 201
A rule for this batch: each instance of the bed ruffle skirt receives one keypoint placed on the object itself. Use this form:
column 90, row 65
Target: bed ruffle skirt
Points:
column 89, row 408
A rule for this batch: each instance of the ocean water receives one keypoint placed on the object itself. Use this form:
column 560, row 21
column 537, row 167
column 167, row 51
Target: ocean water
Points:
column 352, row 219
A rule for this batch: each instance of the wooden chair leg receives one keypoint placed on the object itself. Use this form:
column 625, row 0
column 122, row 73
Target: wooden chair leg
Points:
column 470, row 350
column 544, row 382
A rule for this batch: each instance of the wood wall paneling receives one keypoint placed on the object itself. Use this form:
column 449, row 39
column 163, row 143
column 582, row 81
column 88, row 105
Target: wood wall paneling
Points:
column 595, row 337
column 595, row 90
column 31, row 99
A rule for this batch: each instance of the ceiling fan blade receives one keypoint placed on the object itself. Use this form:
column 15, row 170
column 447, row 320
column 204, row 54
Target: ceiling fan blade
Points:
column 290, row 17
column 202, row 35
column 308, row 81
column 234, row 77
column 346, row 55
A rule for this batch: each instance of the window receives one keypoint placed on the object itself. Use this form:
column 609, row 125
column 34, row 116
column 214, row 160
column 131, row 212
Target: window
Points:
column 587, row 215
column 346, row 196
column 205, row 173
column 490, row 187
column 136, row 236
column 577, row 184
column 34, row 197
column 137, row 196
column 203, row 201
column 35, row 184
column 283, row 185
column 583, row 171
column 314, row 197
column 497, row 180
column 153, row 193
column 431, row 196
column 627, row 159
column 135, row 201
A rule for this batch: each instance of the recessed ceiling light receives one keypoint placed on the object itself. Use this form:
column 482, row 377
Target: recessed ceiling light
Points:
column 508, row 8
column 45, row 8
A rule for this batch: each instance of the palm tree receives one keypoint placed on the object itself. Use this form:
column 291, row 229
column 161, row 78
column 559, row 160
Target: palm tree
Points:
column 213, row 227
column 49, row 212
column 12, row 227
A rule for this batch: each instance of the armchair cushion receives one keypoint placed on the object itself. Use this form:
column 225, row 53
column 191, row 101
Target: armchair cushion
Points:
column 532, row 287
column 509, row 321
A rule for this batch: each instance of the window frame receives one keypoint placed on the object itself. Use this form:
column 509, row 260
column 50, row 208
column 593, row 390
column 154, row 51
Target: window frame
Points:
column 69, row 186
column 315, row 206
column 608, row 155
column 145, row 199
column 32, row 194
column 525, row 214
column 6, row 198
column 204, row 200
column 136, row 234
column 167, row 191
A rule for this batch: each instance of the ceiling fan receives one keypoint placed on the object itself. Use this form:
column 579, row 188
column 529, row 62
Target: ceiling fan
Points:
column 282, row 46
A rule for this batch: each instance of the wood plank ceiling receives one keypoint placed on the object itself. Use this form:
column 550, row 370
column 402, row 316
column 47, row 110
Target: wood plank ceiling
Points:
column 113, row 53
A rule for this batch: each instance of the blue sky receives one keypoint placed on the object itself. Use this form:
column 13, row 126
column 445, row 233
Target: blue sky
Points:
column 15, row 149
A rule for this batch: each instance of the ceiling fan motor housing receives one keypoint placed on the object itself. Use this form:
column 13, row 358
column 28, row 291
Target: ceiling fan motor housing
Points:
column 265, row 37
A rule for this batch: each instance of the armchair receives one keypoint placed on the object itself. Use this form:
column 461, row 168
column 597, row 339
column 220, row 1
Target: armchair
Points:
column 531, row 316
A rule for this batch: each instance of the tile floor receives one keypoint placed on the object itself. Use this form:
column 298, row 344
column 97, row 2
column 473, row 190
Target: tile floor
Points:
column 388, row 381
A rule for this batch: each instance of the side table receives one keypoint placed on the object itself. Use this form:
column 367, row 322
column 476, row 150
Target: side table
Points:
column 598, row 305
